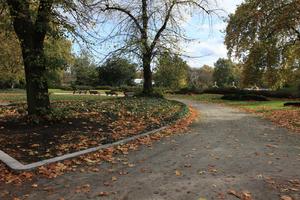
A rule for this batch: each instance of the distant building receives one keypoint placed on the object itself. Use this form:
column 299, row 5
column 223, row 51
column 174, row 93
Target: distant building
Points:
column 140, row 81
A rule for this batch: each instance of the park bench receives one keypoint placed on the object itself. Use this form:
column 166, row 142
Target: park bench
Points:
column 111, row 93
column 129, row 94
column 80, row 91
column 94, row 92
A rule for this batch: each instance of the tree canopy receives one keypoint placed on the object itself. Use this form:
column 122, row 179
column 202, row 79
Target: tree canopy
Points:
column 201, row 77
column 116, row 72
column 171, row 71
column 265, row 37
column 85, row 70
column 224, row 73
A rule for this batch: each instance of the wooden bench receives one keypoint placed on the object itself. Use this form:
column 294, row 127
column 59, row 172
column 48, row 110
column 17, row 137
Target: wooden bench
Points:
column 95, row 92
column 129, row 94
column 111, row 93
column 80, row 91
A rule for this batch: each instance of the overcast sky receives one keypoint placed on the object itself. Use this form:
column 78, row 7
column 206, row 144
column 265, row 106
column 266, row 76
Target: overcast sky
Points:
column 209, row 37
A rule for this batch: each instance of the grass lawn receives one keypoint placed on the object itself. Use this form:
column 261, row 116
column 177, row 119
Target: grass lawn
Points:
column 18, row 95
column 273, row 110
column 79, row 122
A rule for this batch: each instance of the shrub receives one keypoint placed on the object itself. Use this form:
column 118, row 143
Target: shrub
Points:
column 294, row 104
column 244, row 97
column 222, row 91
column 64, row 87
column 130, row 89
column 188, row 90
column 83, row 87
column 265, row 93
column 157, row 93
column 105, row 87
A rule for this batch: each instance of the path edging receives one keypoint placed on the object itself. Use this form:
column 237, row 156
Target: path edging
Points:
column 15, row 165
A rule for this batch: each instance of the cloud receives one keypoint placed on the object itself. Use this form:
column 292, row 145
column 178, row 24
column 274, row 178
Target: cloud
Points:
column 206, row 52
column 229, row 5
column 209, row 34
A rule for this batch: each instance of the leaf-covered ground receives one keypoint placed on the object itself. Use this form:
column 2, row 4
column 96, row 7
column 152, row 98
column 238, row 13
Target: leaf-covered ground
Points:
column 78, row 125
column 273, row 110
column 90, row 162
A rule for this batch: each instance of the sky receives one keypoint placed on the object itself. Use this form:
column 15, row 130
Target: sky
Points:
column 208, row 44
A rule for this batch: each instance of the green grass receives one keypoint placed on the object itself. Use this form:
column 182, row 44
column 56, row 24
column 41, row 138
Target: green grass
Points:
column 257, row 106
column 17, row 95
column 59, row 91
column 12, row 91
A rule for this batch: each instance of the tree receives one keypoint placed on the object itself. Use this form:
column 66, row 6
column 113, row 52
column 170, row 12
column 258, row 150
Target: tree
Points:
column 31, row 35
column 224, row 73
column 32, row 20
column 85, row 70
column 263, row 36
column 171, row 71
column 149, row 28
column 201, row 77
column 11, row 66
column 57, row 52
column 59, row 57
column 116, row 72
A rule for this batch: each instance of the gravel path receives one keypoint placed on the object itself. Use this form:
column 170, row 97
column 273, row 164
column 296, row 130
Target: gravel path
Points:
column 225, row 149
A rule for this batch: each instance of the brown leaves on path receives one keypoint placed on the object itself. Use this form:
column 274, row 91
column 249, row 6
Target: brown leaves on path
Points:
column 245, row 195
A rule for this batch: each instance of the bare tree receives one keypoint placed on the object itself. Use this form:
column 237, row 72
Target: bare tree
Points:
column 149, row 27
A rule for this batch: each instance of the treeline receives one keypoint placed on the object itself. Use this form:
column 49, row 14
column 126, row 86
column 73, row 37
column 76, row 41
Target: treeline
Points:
column 65, row 69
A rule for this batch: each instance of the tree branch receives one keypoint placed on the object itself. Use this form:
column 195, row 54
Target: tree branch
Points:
column 123, row 10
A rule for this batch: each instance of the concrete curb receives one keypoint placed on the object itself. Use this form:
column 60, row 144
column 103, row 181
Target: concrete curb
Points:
column 17, row 166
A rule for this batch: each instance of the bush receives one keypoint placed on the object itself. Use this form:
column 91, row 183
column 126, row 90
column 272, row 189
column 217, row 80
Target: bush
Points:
column 130, row 89
column 157, row 93
column 64, row 87
column 265, row 93
column 82, row 87
column 105, row 87
column 222, row 91
column 244, row 97
column 294, row 104
column 188, row 90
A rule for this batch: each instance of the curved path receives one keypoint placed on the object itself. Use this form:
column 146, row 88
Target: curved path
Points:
column 225, row 150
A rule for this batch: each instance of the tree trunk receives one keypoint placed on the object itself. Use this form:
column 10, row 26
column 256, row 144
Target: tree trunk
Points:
column 31, row 34
column 36, row 82
column 147, row 87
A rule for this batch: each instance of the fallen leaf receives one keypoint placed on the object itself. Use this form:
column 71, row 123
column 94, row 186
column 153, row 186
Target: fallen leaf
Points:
column 285, row 197
column 246, row 195
column 178, row 173
column 103, row 194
